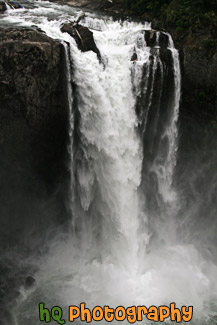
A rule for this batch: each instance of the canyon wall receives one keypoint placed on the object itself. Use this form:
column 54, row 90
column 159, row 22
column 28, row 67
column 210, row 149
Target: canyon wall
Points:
column 33, row 131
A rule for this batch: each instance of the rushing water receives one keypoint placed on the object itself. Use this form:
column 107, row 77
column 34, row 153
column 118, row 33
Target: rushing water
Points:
column 124, row 246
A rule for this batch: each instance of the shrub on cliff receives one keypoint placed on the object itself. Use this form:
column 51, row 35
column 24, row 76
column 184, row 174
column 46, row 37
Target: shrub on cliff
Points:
column 184, row 15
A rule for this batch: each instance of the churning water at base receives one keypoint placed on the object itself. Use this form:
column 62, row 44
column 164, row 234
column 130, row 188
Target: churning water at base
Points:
column 123, row 247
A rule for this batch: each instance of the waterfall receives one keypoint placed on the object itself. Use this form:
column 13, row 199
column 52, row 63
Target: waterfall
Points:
column 166, row 173
column 8, row 7
column 108, row 162
column 109, row 156
column 71, row 120
column 108, row 159
column 123, row 246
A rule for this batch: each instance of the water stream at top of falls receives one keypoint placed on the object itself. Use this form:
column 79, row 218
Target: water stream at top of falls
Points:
column 123, row 247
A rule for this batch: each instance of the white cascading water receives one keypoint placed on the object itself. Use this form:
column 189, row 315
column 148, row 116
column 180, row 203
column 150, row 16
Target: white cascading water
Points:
column 165, row 171
column 111, row 145
column 7, row 6
column 108, row 258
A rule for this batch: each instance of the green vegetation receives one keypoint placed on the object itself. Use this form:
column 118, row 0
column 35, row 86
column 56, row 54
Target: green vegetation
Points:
column 183, row 15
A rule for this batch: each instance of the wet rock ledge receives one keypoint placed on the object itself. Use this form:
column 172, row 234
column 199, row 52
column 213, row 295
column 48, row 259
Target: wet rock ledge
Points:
column 83, row 37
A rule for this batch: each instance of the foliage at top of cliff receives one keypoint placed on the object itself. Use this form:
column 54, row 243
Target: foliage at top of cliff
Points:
column 183, row 15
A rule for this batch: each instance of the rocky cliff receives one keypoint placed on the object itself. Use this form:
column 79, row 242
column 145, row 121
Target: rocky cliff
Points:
column 33, row 132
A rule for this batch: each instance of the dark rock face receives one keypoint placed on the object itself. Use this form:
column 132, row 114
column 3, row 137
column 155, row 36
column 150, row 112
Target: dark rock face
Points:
column 199, row 98
column 198, row 110
column 134, row 57
column 83, row 37
column 199, row 69
column 33, row 133
column 163, row 40
column 150, row 37
column 14, row 5
column 2, row 6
